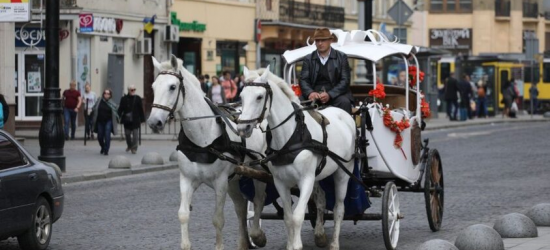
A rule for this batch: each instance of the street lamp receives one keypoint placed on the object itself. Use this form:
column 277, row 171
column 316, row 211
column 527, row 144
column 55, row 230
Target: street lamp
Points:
column 51, row 135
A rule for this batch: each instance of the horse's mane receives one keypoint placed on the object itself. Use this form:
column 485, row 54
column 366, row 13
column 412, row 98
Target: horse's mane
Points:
column 280, row 82
column 167, row 66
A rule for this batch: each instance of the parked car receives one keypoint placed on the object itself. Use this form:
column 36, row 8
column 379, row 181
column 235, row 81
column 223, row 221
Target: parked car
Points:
column 31, row 195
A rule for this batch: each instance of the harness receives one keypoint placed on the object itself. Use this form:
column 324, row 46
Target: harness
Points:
column 219, row 146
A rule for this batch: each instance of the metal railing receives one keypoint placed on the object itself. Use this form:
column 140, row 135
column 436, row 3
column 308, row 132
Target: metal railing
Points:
column 530, row 9
column 502, row 8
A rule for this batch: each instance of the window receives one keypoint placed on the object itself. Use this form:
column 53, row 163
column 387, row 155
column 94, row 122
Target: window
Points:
column 527, row 74
column 401, row 34
column 268, row 5
column 451, row 5
column 546, row 72
column 10, row 156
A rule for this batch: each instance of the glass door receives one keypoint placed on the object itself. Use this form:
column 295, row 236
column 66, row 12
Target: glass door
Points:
column 30, row 84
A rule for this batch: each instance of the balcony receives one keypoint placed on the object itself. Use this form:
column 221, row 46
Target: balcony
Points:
column 63, row 4
column 530, row 9
column 303, row 13
column 502, row 8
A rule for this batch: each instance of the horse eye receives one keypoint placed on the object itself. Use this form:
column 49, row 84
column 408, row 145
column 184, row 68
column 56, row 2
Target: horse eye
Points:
column 173, row 87
column 259, row 97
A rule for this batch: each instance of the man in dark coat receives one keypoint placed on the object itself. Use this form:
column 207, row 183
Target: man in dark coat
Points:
column 465, row 89
column 131, row 112
column 326, row 73
column 451, row 96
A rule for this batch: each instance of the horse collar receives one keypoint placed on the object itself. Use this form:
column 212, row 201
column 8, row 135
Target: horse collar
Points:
column 181, row 90
column 269, row 95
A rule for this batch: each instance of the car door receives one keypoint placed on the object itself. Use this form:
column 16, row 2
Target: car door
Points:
column 17, row 188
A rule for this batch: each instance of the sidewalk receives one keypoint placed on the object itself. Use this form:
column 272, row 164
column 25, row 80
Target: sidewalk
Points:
column 83, row 162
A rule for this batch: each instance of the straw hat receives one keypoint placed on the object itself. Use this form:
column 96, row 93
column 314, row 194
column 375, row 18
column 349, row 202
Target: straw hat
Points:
column 324, row 33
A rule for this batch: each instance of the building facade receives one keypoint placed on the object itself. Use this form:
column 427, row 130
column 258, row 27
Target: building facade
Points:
column 98, row 45
column 467, row 27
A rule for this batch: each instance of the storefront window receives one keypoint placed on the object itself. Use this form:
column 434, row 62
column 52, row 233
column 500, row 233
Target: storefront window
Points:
column 33, row 106
column 34, row 73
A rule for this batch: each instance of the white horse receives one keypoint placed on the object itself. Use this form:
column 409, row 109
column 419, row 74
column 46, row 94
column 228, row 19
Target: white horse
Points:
column 301, row 172
column 189, row 102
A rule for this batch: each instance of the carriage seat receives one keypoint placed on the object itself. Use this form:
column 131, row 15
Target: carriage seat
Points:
column 395, row 95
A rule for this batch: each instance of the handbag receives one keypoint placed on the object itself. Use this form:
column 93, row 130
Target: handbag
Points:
column 129, row 117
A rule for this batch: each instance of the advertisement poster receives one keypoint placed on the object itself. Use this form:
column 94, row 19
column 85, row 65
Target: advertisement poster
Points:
column 83, row 63
column 15, row 11
column 34, row 82
column 86, row 22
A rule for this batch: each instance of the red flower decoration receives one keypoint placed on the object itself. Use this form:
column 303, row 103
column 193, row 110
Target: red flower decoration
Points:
column 396, row 126
column 412, row 76
column 378, row 93
column 425, row 108
column 297, row 90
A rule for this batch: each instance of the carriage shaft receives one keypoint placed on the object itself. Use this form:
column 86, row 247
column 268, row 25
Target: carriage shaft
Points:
column 274, row 216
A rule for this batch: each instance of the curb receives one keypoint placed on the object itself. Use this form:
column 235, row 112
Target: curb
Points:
column 463, row 124
column 112, row 173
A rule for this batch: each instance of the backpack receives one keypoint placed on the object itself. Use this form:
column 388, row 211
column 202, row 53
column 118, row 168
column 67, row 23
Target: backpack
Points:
column 480, row 92
column 1, row 116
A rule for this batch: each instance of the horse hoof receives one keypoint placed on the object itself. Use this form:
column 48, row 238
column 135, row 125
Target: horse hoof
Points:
column 321, row 240
column 334, row 246
column 185, row 247
column 259, row 240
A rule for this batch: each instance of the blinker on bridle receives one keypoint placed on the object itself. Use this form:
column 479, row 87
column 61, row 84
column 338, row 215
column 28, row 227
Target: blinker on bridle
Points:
column 269, row 95
column 181, row 90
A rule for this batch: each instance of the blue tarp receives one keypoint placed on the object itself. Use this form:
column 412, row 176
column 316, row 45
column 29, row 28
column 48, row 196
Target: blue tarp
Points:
column 356, row 201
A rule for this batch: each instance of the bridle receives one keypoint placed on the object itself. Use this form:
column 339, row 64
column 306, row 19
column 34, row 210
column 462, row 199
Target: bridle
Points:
column 269, row 95
column 181, row 90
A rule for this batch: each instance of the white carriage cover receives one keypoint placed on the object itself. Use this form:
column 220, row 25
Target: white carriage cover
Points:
column 386, row 160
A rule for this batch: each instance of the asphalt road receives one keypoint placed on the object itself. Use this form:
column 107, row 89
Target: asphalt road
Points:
column 489, row 171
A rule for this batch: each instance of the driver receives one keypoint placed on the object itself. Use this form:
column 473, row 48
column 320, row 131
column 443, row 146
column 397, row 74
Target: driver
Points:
column 326, row 74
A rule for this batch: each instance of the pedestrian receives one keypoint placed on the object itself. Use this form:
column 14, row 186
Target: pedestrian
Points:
column 105, row 120
column 465, row 90
column 4, row 112
column 451, row 96
column 402, row 81
column 71, row 104
column 508, row 97
column 229, row 87
column 131, row 112
column 89, row 103
column 207, row 81
column 534, row 94
column 204, row 87
column 481, row 105
column 325, row 73
column 215, row 93
column 240, row 86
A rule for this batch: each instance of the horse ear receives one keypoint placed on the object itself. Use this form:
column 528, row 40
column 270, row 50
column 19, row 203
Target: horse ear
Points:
column 264, row 75
column 155, row 63
column 245, row 71
column 174, row 62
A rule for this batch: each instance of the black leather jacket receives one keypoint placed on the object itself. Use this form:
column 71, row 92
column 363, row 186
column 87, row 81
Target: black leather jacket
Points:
column 339, row 73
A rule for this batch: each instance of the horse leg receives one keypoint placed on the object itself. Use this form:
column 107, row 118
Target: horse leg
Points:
column 306, row 188
column 220, row 186
column 241, row 211
column 318, row 196
column 341, row 186
column 284, row 193
column 256, row 232
column 186, row 189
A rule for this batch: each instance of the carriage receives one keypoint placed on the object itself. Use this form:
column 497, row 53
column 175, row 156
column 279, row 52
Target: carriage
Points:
column 390, row 153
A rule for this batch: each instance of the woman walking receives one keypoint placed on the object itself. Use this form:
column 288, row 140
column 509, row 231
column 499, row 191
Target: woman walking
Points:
column 105, row 120
column 215, row 93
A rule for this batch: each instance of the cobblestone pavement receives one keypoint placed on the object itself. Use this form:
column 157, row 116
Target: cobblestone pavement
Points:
column 489, row 170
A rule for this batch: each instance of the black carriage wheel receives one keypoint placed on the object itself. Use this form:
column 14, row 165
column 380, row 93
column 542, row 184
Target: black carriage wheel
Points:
column 434, row 190
column 390, row 216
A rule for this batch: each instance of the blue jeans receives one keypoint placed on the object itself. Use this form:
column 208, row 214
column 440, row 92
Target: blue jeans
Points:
column 70, row 117
column 463, row 114
column 452, row 109
column 104, row 135
column 481, row 107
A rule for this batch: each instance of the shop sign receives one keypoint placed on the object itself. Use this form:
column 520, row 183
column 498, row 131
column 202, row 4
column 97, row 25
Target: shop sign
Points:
column 193, row 26
column 15, row 11
column 86, row 22
column 30, row 37
column 107, row 25
column 451, row 39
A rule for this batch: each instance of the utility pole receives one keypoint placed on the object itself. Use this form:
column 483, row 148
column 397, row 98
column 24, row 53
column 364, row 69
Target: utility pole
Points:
column 51, row 135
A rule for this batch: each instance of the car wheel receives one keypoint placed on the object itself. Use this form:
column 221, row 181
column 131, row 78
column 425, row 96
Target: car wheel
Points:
column 38, row 236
